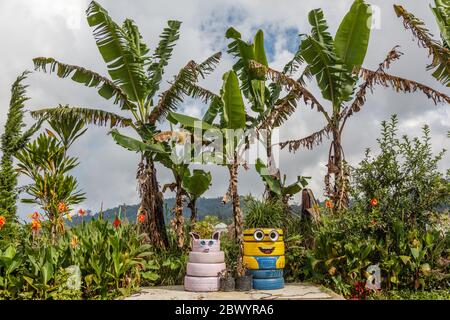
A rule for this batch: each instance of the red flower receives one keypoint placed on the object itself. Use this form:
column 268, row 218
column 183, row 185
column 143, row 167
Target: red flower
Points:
column 373, row 202
column 117, row 222
column 329, row 204
column 35, row 215
column 141, row 218
column 2, row 221
column 81, row 212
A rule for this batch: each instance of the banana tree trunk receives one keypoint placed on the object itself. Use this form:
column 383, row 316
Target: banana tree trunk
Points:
column 338, row 192
column 237, row 214
column 269, row 194
column 178, row 221
column 193, row 207
column 152, row 204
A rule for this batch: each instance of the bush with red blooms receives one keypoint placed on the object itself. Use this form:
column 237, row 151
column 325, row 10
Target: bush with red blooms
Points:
column 359, row 291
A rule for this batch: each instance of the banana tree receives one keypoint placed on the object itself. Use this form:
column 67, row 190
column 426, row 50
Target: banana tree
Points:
column 270, row 108
column 229, row 105
column 336, row 63
column 438, row 50
column 134, row 84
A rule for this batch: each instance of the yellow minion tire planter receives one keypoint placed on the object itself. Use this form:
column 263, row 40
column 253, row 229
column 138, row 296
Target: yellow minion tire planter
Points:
column 264, row 257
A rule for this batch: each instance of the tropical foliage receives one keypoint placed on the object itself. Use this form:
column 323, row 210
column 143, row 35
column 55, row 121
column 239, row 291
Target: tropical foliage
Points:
column 388, row 213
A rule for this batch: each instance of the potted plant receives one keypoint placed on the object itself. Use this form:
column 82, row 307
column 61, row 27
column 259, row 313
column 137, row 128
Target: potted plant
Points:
column 227, row 281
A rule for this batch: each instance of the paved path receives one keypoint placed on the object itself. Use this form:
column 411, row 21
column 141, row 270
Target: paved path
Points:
column 291, row 291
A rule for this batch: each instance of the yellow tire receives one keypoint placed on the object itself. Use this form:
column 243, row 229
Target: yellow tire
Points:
column 266, row 262
column 263, row 248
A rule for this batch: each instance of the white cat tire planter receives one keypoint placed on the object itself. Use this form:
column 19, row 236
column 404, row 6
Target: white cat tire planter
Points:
column 201, row 284
column 204, row 269
column 209, row 257
column 205, row 262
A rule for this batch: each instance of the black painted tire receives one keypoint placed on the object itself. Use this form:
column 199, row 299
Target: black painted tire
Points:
column 268, row 284
column 266, row 274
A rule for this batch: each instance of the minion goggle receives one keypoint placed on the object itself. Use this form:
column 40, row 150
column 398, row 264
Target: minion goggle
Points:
column 263, row 234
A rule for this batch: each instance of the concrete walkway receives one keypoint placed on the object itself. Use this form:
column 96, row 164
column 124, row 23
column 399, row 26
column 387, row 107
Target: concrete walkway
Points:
column 291, row 291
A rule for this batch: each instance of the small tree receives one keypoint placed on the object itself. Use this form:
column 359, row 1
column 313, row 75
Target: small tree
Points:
column 46, row 163
column 13, row 140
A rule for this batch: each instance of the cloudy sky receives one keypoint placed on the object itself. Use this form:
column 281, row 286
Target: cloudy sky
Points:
column 31, row 28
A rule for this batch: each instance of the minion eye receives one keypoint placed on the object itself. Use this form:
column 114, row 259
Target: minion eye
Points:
column 273, row 235
column 203, row 242
column 210, row 243
column 258, row 235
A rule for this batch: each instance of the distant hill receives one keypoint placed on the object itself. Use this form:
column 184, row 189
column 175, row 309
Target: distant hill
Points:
column 205, row 206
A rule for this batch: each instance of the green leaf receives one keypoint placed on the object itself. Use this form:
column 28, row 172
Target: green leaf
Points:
column 197, row 183
column 188, row 121
column 334, row 80
column 125, row 65
column 135, row 145
column 273, row 183
column 415, row 252
column 149, row 275
column 352, row 37
column 47, row 272
column 405, row 259
column 234, row 109
column 260, row 53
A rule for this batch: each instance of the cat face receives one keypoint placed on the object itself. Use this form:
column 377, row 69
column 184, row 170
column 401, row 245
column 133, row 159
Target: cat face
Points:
column 205, row 245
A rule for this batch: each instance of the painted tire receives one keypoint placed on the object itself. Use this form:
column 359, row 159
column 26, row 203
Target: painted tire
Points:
column 270, row 262
column 207, row 257
column 268, row 284
column 266, row 274
column 204, row 269
column 249, row 234
column 264, row 248
column 201, row 284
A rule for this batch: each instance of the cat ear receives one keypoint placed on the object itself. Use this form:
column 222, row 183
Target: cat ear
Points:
column 216, row 235
column 194, row 235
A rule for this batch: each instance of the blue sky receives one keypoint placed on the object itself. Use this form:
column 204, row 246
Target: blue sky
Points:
column 58, row 29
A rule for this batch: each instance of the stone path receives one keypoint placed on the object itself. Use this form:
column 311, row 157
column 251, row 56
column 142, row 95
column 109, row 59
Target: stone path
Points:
column 291, row 291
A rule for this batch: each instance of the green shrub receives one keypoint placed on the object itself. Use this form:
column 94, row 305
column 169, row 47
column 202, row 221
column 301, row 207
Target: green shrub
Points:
column 264, row 214
column 398, row 230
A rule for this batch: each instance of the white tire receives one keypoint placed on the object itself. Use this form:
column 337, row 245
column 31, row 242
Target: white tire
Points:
column 207, row 257
column 204, row 269
column 201, row 284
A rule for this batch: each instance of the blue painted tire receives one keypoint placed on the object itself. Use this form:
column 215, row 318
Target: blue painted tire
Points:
column 266, row 274
column 268, row 284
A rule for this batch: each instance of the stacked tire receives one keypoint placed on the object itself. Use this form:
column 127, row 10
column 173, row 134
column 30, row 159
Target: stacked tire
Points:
column 264, row 257
column 205, row 263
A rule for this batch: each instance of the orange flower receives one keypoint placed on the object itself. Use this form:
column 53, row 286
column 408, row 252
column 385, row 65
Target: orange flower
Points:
column 141, row 217
column 117, row 222
column 373, row 222
column 329, row 204
column 374, row 202
column 35, row 225
column 81, row 212
column 2, row 221
column 62, row 207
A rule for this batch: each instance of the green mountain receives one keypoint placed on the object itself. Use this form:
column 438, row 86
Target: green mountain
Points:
column 205, row 206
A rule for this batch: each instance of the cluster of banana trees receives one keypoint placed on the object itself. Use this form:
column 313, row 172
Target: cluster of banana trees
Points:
column 253, row 98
